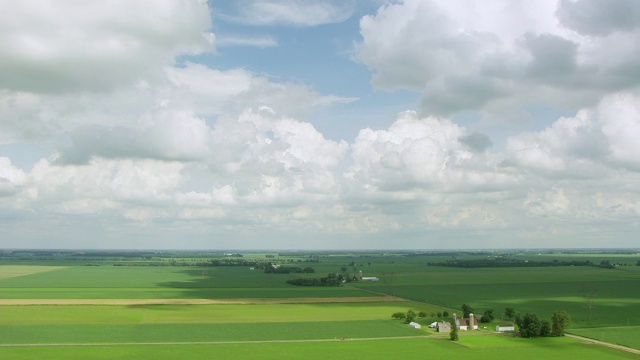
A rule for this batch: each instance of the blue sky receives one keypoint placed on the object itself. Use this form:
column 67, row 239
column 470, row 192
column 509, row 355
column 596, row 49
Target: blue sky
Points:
column 264, row 124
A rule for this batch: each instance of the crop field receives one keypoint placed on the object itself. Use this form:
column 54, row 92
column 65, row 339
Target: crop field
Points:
column 613, row 294
column 153, row 314
column 129, row 307
column 417, row 348
column 627, row 336
column 153, row 282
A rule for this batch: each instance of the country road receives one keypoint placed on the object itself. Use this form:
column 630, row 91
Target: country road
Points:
column 602, row 343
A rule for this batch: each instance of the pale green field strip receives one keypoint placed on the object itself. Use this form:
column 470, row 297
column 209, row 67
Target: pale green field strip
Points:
column 11, row 271
column 153, row 314
column 367, row 299
column 160, row 333
column 399, row 348
column 626, row 335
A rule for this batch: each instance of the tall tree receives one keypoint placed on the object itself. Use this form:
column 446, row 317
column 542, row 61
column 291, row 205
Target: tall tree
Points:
column 487, row 316
column 560, row 320
column 509, row 313
column 466, row 310
column 545, row 328
column 531, row 325
column 453, row 335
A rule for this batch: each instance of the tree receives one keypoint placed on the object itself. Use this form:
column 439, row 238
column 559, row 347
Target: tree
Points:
column 453, row 335
column 545, row 328
column 518, row 320
column 466, row 310
column 487, row 316
column 531, row 325
column 509, row 313
column 398, row 315
column 445, row 313
column 560, row 320
column 422, row 314
column 439, row 314
column 411, row 315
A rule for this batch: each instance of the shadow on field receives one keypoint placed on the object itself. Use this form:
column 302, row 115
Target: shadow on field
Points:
column 243, row 283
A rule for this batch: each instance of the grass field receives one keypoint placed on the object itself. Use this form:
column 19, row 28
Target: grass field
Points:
column 154, row 314
column 213, row 332
column 409, row 349
column 270, row 328
column 627, row 336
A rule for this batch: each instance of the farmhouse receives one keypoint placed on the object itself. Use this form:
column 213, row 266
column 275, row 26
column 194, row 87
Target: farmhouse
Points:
column 470, row 323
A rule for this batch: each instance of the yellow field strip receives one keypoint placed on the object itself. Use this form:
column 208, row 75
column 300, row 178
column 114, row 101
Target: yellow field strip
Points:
column 198, row 301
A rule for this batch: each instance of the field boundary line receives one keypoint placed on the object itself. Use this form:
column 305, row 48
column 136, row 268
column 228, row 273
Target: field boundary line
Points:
column 219, row 342
column 239, row 301
column 604, row 343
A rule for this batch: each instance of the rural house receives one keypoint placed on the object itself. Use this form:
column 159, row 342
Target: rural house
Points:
column 470, row 323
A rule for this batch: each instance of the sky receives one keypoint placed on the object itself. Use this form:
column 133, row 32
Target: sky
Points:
column 303, row 124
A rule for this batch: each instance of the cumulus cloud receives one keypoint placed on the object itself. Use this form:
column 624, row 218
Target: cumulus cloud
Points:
column 11, row 178
column 423, row 153
column 599, row 18
column 63, row 46
column 501, row 57
column 171, row 136
column 575, row 146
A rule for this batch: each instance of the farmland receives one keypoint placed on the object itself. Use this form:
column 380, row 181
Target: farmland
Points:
column 165, row 305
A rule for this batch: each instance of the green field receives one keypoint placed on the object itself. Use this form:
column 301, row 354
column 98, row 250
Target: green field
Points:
column 315, row 329
column 627, row 336
column 541, row 290
column 409, row 349
column 154, row 314
column 154, row 282
column 214, row 332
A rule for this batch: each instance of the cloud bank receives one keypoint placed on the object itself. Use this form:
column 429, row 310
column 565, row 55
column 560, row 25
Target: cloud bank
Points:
column 151, row 148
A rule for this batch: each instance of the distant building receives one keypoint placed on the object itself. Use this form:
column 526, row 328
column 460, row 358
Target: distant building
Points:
column 415, row 325
column 365, row 278
column 505, row 327
column 470, row 323
column 444, row 327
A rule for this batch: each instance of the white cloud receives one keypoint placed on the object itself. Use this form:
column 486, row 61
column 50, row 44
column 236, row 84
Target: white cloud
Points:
column 11, row 178
column 576, row 146
column 421, row 153
column 68, row 46
column 498, row 58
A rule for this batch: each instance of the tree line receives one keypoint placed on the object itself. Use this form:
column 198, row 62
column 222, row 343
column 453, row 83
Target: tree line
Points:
column 497, row 263
column 329, row 280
